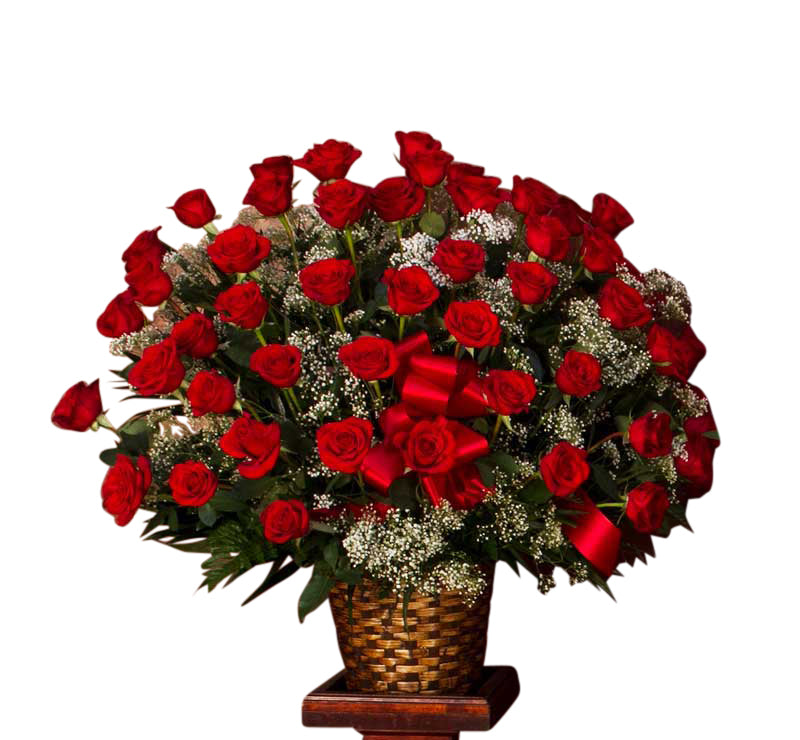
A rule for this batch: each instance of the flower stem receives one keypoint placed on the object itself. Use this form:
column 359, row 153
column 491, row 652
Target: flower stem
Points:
column 457, row 350
column 338, row 316
column 398, row 225
column 290, row 392
column 496, row 429
column 348, row 236
column 211, row 230
column 603, row 441
column 377, row 386
column 287, row 227
column 289, row 403
column 260, row 336
column 610, row 505
column 402, row 328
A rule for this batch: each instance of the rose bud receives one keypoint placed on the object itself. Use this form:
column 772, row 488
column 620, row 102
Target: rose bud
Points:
column 676, row 353
column 79, row 407
column 579, row 374
column 210, row 392
column 531, row 196
column 531, row 283
column 650, row 435
column 473, row 323
column 192, row 483
column 343, row 445
column 149, row 284
column 622, row 305
column 599, row 251
column 278, row 364
column 194, row 209
column 609, row 215
column 329, row 161
column 238, row 249
column 430, row 446
column 397, row 198
column 195, row 336
column 146, row 247
column 243, row 305
column 547, row 237
column 327, row 281
column 271, row 191
column 341, row 203
column 564, row 469
column 124, row 487
column 410, row 290
column 647, row 504
column 121, row 316
column 255, row 443
column 285, row 520
column 508, row 391
column 471, row 190
column 459, row 259
column 370, row 358
column 422, row 158
column 160, row 370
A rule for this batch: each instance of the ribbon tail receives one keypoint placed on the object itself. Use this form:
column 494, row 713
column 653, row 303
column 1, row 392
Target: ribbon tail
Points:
column 594, row 536
column 382, row 466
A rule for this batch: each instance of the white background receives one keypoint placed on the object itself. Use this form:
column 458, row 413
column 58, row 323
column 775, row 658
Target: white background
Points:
column 685, row 112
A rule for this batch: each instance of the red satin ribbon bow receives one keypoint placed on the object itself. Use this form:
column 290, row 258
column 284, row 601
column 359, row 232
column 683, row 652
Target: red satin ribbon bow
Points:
column 593, row 536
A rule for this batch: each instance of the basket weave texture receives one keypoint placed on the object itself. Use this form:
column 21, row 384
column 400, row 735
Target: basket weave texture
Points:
column 442, row 652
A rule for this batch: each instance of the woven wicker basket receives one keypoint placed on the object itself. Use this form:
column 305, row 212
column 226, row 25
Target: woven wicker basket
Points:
column 442, row 652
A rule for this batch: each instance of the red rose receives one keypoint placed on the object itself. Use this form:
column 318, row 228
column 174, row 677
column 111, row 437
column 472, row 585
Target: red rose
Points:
column 210, row 392
column 257, row 444
column 271, row 191
column 149, row 284
column 459, row 259
column 238, row 249
column 695, row 463
column 195, row 336
column 411, row 290
column 124, row 487
column 600, row 252
column 564, row 469
column 278, row 364
column 650, row 435
column 471, row 190
column 531, row 283
column 329, row 161
column 243, row 305
column 422, row 157
column 677, row 352
column 547, row 237
column 192, row 483
column 397, row 198
column 160, row 370
column 145, row 247
column 341, row 203
column 327, row 281
column 430, row 446
column 285, row 520
column 609, row 215
column 647, row 504
column 369, row 358
column 78, row 407
column 531, row 196
column 194, row 209
column 122, row 316
column 622, row 305
column 509, row 391
column 473, row 323
column 571, row 215
column 343, row 445
column 579, row 374
column 466, row 490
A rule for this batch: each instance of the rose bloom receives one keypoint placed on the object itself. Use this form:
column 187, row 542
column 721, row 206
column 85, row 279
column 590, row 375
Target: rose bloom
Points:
column 285, row 520
column 459, row 259
column 210, row 392
column 676, row 352
column 160, row 370
column 599, row 251
column 255, row 443
column 397, row 198
column 238, row 249
column 329, row 161
column 650, row 435
column 695, row 465
column 327, row 281
column 471, row 190
column 343, row 445
column 531, row 283
column 410, row 290
column 647, row 504
column 564, row 469
column 194, row 209
column 531, row 196
column 146, row 246
column 124, row 487
column 430, row 446
column 195, row 335
column 149, row 284
column 422, row 158
column 271, row 191
column 278, row 364
column 609, row 215
column 473, row 323
column 79, row 407
column 579, row 374
column 571, row 215
column 121, row 316
column 465, row 490
column 243, row 305
column 192, row 483
column 622, row 305
column 341, row 203
column 369, row 358
column 547, row 237
column 509, row 391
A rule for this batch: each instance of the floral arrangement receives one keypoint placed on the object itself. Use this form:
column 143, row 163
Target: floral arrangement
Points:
column 405, row 382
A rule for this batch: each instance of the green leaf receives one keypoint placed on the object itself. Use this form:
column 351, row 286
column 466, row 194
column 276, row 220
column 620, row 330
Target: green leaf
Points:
column 536, row 492
column 505, row 462
column 316, row 592
column 276, row 575
column 481, row 426
column 604, row 480
column 109, row 457
column 207, row 514
column 432, row 224
column 403, row 493
column 331, row 553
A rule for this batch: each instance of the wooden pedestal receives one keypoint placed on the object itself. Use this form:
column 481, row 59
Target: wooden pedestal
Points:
column 413, row 717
